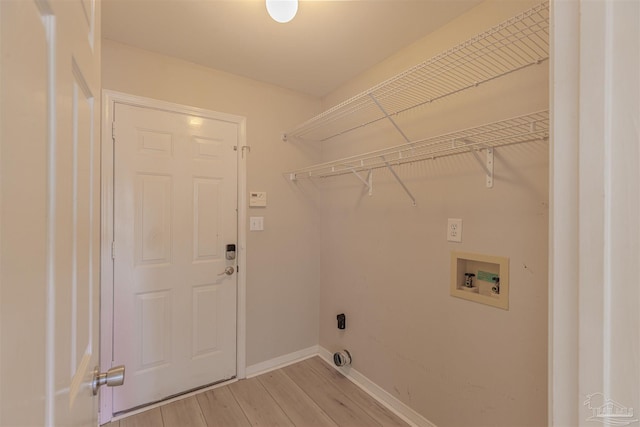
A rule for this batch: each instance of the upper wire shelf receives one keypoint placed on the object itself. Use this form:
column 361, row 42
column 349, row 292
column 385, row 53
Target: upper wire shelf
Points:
column 525, row 128
column 517, row 43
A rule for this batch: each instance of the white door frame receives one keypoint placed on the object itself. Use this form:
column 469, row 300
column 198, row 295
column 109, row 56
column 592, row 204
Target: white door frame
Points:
column 594, row 232
column 109, row 99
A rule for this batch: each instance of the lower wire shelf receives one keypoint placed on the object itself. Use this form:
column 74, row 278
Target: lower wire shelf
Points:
column 515, row 130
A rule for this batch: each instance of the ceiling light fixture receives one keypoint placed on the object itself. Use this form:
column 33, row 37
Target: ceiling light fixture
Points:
column 282, row 10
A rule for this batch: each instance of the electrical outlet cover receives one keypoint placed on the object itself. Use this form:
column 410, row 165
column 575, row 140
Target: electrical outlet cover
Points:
column 454, row 230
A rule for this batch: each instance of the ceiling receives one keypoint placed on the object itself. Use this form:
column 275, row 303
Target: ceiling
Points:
column 326, row 44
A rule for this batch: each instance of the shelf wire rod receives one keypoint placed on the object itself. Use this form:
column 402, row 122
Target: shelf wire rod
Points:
column 532, row 37
column 501, row 47
column 482, row 66
column 498, row 63
column 488, row 46
column 523, row 50
column 489, row 64
column 429, row 82
column 443, row 67
column 436, row 98
column 441, row 85
column 530, row 49
column 533, row 31
column 518, row 53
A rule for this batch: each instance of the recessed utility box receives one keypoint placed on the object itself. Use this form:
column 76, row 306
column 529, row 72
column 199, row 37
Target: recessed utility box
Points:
column 480, row 278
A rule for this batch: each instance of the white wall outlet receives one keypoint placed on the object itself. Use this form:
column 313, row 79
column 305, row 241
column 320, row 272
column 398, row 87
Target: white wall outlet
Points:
column 454, row 230
column 256, row 223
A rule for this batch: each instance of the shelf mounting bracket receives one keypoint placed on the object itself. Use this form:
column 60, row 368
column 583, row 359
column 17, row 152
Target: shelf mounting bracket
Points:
column 367, row 182
column 407, row 140
column 395, row 175
column 395, row 125
column 487, row 164
column 489, row 167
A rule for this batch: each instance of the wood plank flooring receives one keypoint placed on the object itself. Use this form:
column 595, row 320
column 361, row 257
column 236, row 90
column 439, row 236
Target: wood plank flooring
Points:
column 308, row 393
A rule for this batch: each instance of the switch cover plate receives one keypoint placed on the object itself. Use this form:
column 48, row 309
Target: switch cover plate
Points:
column 256, row 223
column 454, row 230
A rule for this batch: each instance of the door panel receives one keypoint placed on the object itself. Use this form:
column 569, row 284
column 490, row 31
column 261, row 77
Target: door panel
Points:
column 81, row 235
column 175, row 200
column 50, row 201
column 153, row 326
column 23, row 217
column 206, row 219
column 153, row 219
column 74, row 237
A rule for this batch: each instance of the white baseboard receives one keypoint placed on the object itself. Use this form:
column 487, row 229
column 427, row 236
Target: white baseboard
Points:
column 281, row 361
column 389, row 401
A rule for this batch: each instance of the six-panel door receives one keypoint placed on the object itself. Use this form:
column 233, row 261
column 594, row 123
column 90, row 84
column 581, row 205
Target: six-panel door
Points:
column 175, row 210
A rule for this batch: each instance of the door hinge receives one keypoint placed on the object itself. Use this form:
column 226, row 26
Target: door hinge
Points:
column 113, row 250
column 113, row 130
column 245, row 147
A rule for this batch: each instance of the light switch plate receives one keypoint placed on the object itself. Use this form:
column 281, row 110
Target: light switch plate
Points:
column 257, row 199
column 256, row 223
column 454, row 230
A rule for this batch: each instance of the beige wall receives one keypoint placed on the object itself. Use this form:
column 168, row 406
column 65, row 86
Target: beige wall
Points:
column 385, row 263
column 283, row 260
column 380, row 260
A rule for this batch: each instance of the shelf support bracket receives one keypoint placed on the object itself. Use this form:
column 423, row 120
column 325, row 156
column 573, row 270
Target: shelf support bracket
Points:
column 395, row 125
column 395, row 175
column 486, row 165
column 407, row 140
column 489, row 167
column 368, row 182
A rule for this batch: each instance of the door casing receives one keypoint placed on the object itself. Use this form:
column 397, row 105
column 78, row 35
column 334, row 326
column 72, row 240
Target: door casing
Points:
column 109, row 99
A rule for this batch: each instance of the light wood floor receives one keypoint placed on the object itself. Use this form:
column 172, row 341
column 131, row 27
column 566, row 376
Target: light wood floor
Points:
column 308, row 393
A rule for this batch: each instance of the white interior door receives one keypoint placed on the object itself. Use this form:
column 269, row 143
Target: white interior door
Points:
column 175, row 212
column 50, row 82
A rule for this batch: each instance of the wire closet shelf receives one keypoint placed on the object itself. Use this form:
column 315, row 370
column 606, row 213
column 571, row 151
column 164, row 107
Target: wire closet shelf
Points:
column 517, row 43
column 515, row 130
